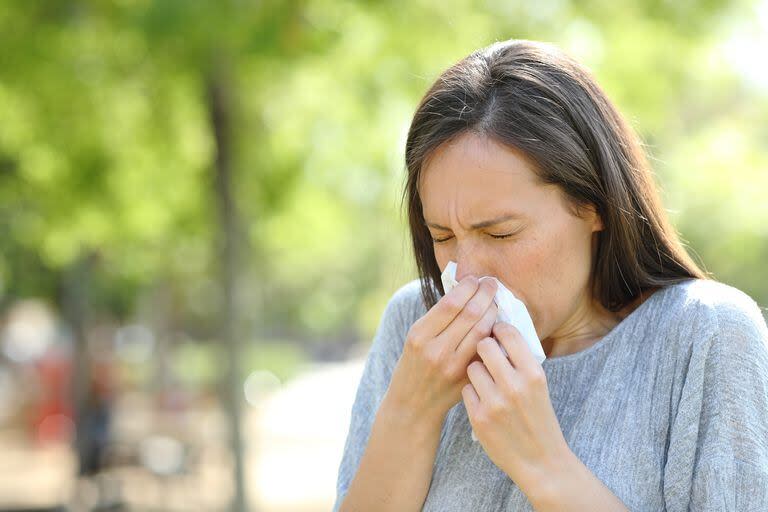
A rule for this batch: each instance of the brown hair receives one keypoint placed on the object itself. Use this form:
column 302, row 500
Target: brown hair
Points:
column 533, row 97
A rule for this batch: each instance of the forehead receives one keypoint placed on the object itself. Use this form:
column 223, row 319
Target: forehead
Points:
column 479, row 174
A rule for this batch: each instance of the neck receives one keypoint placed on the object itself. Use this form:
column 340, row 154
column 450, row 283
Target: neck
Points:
column 585, row 327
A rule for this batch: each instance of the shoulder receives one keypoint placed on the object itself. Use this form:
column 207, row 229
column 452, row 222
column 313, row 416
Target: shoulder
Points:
column 406, row 304
column 716, row 304
column 404, row 307
column 718, row 319
column 720, row 422
column 712, row 293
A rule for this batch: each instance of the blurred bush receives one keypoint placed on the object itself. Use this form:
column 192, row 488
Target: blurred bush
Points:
column 106, row 143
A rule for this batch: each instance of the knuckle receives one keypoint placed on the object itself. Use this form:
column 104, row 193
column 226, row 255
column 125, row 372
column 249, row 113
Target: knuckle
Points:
column 433, row 359
column 417, row 328
column 490, row 289
column 478, row 331
column 503, row 328
column 453, row 371
column 451, row 304
column 496, row 408
column 490, row 314
column 513, row 392
column 538, row 377
column 482, row 416
column 413, row 340
column 473, row 310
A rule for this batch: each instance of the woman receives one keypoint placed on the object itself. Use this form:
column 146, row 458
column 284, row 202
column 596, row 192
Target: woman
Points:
column 654, row 392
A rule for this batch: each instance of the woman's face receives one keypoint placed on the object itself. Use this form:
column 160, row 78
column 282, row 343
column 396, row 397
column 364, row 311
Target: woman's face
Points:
column 475, row 191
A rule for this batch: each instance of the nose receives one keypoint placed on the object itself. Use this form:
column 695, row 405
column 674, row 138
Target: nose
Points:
column 471, row 260
column 468, row 267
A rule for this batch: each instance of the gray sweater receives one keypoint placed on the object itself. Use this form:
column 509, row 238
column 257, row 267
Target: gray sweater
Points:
column 669, row 409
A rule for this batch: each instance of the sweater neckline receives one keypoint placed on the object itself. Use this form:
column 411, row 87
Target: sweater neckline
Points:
column 608, row 338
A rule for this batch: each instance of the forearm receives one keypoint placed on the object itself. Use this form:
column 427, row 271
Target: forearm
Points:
column 396, row 468
column 571, row 486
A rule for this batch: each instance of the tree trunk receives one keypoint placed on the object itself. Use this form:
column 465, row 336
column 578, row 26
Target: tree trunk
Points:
column 75, row 292
column 226, row 243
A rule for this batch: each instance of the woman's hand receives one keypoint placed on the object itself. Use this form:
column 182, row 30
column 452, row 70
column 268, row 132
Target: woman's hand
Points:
column 510, row 411
column 432, row 369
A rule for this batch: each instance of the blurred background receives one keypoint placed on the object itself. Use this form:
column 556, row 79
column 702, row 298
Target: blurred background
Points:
column 200, row 221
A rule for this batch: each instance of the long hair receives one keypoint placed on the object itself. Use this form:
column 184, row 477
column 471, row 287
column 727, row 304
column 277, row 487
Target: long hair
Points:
column 534, row 98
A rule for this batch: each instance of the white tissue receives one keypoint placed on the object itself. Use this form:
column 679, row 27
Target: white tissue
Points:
column 510, row 310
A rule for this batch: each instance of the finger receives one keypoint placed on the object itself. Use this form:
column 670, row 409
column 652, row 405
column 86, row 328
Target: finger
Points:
column 446, row 309
column 471, row 399
column 495, row 361
column 483, row 328
column 482, row 381
column 519, row 353
column 473, row 311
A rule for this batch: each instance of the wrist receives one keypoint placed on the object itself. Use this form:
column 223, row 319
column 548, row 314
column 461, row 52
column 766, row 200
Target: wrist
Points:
column 405, row 415
column 553, row 482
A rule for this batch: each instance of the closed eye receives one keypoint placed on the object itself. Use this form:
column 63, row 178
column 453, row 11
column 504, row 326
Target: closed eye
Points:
column 498, row 237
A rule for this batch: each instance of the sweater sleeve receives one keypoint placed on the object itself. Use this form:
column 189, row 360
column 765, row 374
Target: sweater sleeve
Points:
column 377, row 372
column 717, row 458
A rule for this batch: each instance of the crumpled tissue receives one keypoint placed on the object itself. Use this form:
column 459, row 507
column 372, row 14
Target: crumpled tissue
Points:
column 510, row 310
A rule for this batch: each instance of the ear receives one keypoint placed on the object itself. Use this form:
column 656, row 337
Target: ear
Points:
column 587, row 212
column 595, row 218
column 597, row 223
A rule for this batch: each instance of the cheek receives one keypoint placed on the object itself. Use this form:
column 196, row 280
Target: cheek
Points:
column 442, row 256
column 562, row 270
column 533, row 263
column 538, row 272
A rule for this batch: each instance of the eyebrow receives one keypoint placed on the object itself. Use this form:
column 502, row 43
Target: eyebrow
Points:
column 482, row 224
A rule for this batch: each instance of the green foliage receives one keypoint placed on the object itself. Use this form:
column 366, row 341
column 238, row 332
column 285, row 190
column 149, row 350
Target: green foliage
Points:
column 106, row 145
